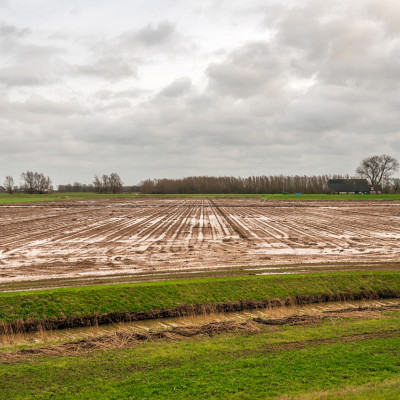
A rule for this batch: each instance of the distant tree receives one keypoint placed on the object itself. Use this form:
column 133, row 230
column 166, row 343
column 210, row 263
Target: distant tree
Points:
column 105, row 182
column 28, row 184
column 9, row 184
column 97, row 184
column 35, row 182
column 377, row 168
column 115, row 183
column 394, row 185
column 64, row 188
column 230, row 184
column 76, row 187
column 108, row 183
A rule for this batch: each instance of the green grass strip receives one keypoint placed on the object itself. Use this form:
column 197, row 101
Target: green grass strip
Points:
column 221, row 367
column 34, row 198
column 393, row 196
column 83, row 301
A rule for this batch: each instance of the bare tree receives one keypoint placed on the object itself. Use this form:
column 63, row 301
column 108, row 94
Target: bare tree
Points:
column 105, row 181
column 9, row 184
column 115, row 183
column 97, row 184
column 377, row 168
column 35, row 182
column 394, row 185
column 29, row 182
column 108, row 183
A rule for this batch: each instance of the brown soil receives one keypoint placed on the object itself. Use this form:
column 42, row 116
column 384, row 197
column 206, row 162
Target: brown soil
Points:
column 104, row 238
column 292, row 320
column 362, row 313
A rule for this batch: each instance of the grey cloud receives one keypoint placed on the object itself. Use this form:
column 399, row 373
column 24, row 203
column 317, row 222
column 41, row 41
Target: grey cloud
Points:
column 251, row 70
column 106, row 95
column 302, row 27
column 39, row 105
column 7, row 30
column 150, row 35
column 20, row 76
column 26, row 63
column 39, row 113
column 386, row 12
column 33, row 72
column 110, row 67
column 114, row 105
column 315, row 96
column 341, row 42
column 178, row 87
column 120, row 57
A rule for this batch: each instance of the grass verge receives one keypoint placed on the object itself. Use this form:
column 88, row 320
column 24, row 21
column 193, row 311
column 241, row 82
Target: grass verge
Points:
column 34, row 198
column 394, row 196
column 326, row 360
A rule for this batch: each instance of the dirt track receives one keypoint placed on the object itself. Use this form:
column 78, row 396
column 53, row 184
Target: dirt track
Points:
column 111, row 237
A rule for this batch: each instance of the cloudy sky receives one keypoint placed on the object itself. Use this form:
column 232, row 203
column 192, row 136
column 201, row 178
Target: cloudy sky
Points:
column 171, row 88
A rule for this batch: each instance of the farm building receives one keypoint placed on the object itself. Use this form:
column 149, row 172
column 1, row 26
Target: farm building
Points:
column 2, row 189
column 351, row 186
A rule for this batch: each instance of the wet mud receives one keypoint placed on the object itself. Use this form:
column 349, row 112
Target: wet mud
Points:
column 119, row 238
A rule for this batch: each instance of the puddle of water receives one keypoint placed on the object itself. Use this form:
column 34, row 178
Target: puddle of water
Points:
column 65, row 335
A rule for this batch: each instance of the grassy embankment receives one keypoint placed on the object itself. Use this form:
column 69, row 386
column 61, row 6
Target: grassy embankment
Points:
column 346, row 356
column 351, row 358
column 93, row 304
column 34, row 198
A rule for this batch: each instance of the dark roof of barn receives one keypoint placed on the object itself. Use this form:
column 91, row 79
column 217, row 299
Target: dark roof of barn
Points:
column 348, row 185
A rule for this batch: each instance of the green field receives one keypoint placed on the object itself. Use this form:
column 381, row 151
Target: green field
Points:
column 33, row 198
column 395, row 196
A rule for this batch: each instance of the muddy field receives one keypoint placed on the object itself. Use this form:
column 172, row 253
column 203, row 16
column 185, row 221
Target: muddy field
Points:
column 131, row 237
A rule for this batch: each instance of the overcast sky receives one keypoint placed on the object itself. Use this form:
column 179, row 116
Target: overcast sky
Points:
column 171, row 88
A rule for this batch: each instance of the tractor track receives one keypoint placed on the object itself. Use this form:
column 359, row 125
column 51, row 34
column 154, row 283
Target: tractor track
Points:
column 108, row 237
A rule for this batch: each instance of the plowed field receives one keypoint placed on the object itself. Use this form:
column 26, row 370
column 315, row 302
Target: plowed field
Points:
column 128, row 237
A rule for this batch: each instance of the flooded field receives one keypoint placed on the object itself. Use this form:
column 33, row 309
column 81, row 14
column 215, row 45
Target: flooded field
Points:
column 154, row 325
column 95, row 238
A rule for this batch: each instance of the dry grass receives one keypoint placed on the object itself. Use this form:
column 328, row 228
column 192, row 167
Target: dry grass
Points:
column 126, row 338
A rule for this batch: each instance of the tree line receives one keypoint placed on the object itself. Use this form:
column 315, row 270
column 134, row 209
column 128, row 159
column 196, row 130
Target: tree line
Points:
column 31, row 182
column 104, row 184
column 378, row 170
column 229, row 184
column 101, row 184
column 37, row 183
